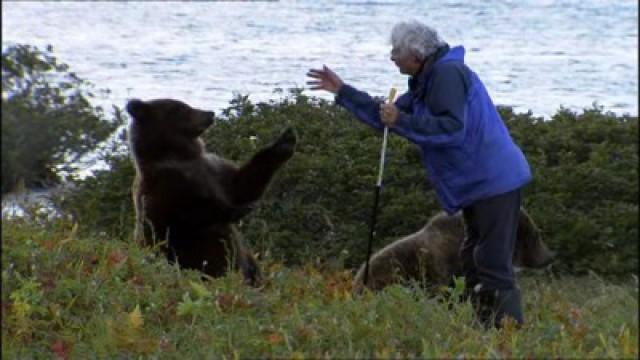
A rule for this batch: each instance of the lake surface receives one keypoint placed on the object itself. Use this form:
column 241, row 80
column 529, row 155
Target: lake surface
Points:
column 533, row 55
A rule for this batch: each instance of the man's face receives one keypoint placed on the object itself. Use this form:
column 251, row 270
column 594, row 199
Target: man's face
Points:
column 406, row 62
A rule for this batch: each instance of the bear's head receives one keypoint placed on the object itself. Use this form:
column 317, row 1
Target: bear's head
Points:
column 166, row 127
column 172, row 116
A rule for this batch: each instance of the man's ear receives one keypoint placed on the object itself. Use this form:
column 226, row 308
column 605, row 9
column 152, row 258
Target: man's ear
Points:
column 137, row 108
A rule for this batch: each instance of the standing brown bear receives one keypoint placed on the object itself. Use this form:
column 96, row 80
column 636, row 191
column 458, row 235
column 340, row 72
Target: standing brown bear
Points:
column 186, row 199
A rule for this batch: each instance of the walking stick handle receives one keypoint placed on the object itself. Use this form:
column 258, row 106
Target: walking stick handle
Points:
column 390, row 100
column 392, row 95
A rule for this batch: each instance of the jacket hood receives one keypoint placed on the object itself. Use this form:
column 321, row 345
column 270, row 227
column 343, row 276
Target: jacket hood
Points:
column 443, row 55
column 456, row 53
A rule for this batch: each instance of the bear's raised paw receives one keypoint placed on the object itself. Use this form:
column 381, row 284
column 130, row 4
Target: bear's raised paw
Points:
column 285, row 146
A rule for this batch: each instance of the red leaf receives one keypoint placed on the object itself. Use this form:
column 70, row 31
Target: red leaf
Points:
column 60, row 349
column 116, row 257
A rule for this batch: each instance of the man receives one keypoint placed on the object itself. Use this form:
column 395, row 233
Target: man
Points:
column 469, row 156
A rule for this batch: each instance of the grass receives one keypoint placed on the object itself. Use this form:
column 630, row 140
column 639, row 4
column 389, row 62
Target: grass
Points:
column 71, row 296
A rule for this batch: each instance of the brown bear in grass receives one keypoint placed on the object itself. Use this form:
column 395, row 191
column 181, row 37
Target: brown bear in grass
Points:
column 186, row 199
column 430, row 256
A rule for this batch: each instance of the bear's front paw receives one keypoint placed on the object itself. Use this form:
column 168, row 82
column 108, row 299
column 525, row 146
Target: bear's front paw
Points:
column 285, row 146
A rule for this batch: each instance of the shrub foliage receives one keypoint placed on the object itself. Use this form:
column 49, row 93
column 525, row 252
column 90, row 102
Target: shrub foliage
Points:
column 48, row 123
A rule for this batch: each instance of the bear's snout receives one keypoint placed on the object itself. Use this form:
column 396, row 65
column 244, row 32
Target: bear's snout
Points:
column 208, row 118
column 211, row 117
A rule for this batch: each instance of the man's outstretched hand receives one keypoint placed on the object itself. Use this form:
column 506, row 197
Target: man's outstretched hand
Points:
column 324, row 79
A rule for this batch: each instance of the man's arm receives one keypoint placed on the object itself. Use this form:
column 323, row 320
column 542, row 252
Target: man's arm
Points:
column 360, row 104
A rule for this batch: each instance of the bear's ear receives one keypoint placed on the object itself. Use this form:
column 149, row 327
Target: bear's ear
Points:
column 531, row 249
column 137, row 108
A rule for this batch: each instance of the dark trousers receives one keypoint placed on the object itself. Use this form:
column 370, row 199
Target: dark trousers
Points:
column 491, row 226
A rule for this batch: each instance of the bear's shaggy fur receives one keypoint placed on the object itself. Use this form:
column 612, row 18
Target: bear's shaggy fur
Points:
column 186, row 199
column 430, row 256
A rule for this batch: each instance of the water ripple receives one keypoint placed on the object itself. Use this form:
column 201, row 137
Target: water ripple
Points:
column 538, row 55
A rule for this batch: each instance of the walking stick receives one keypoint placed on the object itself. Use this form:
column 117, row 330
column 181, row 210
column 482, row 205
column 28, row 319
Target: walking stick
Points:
column 376, row 196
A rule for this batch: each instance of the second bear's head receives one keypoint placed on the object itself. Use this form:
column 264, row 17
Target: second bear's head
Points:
column 169, row 118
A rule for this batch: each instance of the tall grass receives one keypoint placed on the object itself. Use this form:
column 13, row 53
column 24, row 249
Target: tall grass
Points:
column 76, row 296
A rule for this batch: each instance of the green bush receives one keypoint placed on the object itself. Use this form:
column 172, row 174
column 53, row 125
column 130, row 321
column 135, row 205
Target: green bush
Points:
column 102, row 202
column 584, row 194
column 48, row 123
column 585, row 189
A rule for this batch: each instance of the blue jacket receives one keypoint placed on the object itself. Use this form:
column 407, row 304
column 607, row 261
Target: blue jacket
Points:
column 466, row 148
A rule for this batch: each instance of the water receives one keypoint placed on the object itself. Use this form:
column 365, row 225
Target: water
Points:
column 533, row 55
column 28, row 203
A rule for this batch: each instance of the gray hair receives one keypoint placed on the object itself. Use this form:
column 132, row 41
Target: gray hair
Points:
column 415, row 38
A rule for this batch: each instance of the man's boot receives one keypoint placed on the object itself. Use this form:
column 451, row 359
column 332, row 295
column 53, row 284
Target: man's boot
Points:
column 492, row 306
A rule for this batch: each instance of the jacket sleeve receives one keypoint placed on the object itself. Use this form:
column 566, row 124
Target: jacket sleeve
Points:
column 441, row 121
column 367, row 109
column 404, row 103
column 361, row 105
